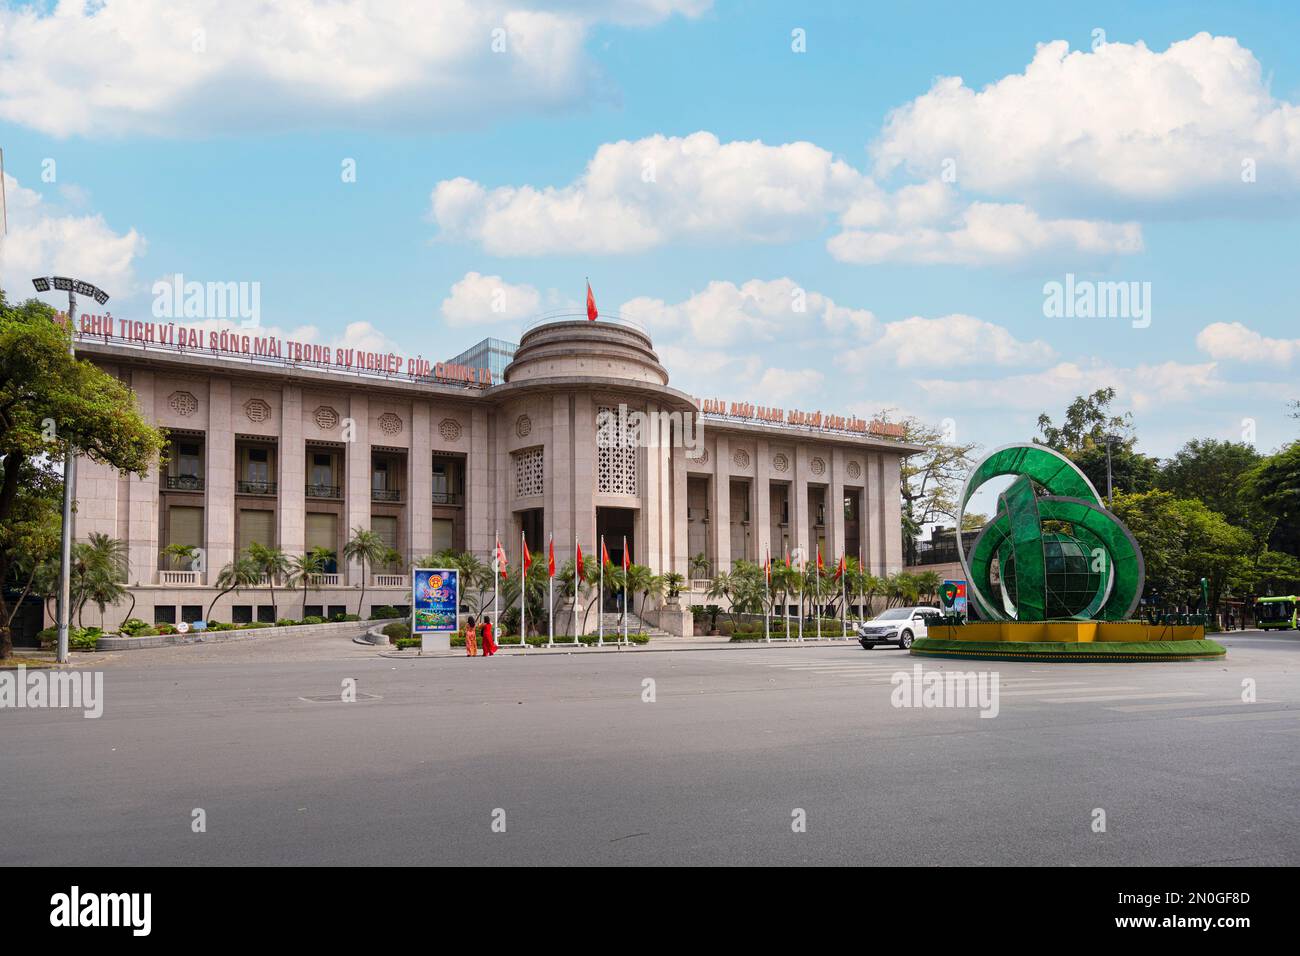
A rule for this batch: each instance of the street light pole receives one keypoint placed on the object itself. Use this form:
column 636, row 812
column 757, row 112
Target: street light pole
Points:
column 69, row 461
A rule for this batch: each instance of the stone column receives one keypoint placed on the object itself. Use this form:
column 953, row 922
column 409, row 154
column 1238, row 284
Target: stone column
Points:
column 873, row 515
column 292, row 477
column 419, row 482
column 835, row 506
column 720, row 516
column 480, row 482
column 762, row 510
column 584, row 474
column 219, row 461
column 651, row 506
column 681, row 558
column 890, row 487
column 559, row 480
column 800, row 521
column 356, row 488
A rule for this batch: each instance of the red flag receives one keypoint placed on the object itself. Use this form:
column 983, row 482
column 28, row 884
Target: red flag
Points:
column 627, row 554
column 501, row 558
column 528, row 558
column 550, row 561
column 839, row 571
column 580, row 571
column 767, row 567
column 604, row 554
column 591, row 304
column 820, row 566
column 787, row 559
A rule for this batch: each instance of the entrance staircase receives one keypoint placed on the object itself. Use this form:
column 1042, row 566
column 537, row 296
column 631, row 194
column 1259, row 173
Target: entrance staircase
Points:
column 614, row 627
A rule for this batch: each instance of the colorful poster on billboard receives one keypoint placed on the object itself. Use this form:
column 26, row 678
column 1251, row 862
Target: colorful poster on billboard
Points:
column 952, row 595
column 435, row 600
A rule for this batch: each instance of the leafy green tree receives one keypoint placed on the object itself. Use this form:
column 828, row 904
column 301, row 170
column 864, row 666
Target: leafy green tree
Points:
column 48, row 402
column 1274, row 485
column 367, row 548
column 273, row 564
column 303, row 568
column 99, row 573
column 930, row 481
column 180, row 554
column 1215, row 473
column 243, row 572
column 1081, row 437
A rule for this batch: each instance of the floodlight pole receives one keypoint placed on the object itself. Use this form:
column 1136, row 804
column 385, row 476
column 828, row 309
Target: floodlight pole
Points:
column 69, row 466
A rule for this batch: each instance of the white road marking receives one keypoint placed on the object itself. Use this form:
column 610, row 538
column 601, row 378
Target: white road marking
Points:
column 1108, row 698
column 1183, row 705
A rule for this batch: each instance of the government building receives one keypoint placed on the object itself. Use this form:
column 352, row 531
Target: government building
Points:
column 573, row 432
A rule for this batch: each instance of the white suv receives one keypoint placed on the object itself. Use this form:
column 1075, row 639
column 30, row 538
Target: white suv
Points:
column 898, row 625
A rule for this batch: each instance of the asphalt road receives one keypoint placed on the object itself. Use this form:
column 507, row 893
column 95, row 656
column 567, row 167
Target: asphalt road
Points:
column 582, row 770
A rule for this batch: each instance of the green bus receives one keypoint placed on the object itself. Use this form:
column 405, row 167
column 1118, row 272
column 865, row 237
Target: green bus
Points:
column 1276, row 612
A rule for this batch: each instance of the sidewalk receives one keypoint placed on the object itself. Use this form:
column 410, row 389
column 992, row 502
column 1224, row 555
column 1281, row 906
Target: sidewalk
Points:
column 655, row 645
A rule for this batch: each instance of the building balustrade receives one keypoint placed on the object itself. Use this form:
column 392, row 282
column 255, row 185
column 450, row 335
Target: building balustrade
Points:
column 389, row 581
column 255, row 487
column 323, row 580
column 324, row 491
column 448, row 498
column 701, row 585
column 183, row 483
column 178, row 577
column 385, row 494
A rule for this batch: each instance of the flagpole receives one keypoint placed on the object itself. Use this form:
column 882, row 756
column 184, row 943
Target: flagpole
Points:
column 817, row 590
column 844, row 603
column 803, row 570
column 786, row 599
column 627, row 566
column 767, row 587
column 496, row 581
column 600, row 598
column 577, row 581
column 550, row 594
column 523, row 591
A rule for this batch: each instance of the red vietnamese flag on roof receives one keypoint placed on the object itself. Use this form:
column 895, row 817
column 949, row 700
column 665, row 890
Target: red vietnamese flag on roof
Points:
column 550, row 560
column 627, row 554
column 591, row 304
column 577, row 562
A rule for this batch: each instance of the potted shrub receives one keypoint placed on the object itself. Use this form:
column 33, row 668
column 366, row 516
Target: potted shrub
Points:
column 673, row 584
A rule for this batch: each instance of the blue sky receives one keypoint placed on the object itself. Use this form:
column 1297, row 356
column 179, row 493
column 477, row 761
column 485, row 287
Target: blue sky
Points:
column 207, row 139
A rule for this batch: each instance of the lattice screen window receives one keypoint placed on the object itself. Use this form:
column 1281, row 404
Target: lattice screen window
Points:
column 529, row 473
column 616, row 443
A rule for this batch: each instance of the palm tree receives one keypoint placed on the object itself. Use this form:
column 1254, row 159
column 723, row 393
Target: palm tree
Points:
column 699, row 565
column 243, row 572
column 273, row 564
column 99, row 572
column 304, row 567
column 367, row 548
column 641, row 580
column 180, row 554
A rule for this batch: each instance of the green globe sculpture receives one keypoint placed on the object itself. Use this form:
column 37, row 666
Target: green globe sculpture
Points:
column 1093, row 572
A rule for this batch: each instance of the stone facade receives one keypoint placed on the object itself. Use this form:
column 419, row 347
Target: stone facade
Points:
column 302, row 456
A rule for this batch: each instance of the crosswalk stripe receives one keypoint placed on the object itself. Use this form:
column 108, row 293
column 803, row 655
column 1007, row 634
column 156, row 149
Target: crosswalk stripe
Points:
column 1181, row 705
column 1107, row 698
column 1225, row 718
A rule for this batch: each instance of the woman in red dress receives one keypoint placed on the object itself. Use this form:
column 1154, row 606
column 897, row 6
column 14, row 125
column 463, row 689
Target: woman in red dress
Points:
column 471, row 646
column 489, row 644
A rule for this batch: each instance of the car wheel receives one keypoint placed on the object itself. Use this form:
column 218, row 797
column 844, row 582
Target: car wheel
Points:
column 905, row 641
column 867, row 646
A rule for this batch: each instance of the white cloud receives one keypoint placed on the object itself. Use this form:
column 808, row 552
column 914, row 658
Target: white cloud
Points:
column 779, row 385
column 485, row 300
column 951, row 340
column 1140, row 387
column 985, row 234
column 635, row 195
column 1122, row 121
column 759, row 310
column 1236, row 342
column 212, row 66
column 44, row 241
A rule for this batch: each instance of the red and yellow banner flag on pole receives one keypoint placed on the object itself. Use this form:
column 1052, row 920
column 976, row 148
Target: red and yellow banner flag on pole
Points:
column 839, row 571
column 820, row 567
column 550, row 560
column 579, row 570
column 627, row 554
column 604, row 552
column 528, row 558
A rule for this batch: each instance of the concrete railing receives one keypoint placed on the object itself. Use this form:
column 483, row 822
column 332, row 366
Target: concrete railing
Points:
column 341, row 628
column 701, row 585
column 324, row 580
column 178, row 577
column 390, row 580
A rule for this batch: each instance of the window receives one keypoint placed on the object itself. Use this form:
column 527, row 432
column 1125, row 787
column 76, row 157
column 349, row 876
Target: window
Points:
column 313, row 610
column 164, row 614
column 185, row 526
column 529, row 473
column 258, row 467
column 379, row 475
column 386, row 527
column 442, row 534
column 323, row 532
column 256, row 526
column 241, row 614
column 265, row 614
column 187, row 459
column 322, row 471
column 191, row 613
column 616, row 453
column 337, row 610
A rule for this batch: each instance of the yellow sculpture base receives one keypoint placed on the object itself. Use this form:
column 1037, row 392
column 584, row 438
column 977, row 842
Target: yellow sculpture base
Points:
column 1068, row 632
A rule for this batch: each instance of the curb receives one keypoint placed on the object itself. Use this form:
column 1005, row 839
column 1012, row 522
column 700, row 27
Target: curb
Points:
column 514, row 651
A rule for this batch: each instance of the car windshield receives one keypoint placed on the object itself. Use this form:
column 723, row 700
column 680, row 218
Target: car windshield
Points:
column 896, row 614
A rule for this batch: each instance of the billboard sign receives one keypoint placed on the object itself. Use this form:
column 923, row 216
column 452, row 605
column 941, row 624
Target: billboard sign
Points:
column 435, row 600
column 952, row 595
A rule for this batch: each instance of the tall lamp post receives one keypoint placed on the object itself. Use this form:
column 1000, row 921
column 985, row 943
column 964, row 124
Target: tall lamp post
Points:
column 72, row 287
column 1110, row 439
